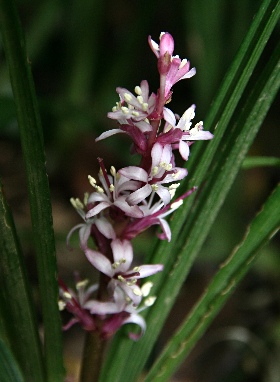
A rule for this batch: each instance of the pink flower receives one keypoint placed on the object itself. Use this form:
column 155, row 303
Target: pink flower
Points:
column 180, row 135
column 162, row 171
column 171, row 68
column 113, row 194
column 119, row 271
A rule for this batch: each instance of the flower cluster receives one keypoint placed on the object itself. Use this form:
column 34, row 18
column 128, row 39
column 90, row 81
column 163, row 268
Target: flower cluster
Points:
column 126, row 202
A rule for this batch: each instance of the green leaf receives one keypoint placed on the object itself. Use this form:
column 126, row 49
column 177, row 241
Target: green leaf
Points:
column 221, row 159
column 261, row 230
column 38, row 188
column 16, row 309
column 9, row 370
column 252, row 162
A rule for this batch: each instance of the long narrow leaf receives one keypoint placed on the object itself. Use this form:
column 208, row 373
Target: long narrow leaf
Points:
column 262, row 228
column 16, row 307
column 198, row 231
column 38, row 188
column 252, row 162
column 9, row 370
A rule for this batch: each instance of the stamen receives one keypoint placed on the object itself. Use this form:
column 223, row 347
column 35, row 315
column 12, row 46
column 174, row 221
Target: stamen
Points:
column 92, row 181
column 154, row 170
column 61, row 305
column 150, row 301
column 81, row 284
column 127, row 97
column 183, row 63
column 140, row 99
column 146, row 288
column 112, row 187
column 135, row 113
column 67, row 295
column 86, row 196
column 145, row 106
column 113, row 171
column 138, row 90
column 125, row 110
column 154, row 187
column 176, row 204
column 137, row 292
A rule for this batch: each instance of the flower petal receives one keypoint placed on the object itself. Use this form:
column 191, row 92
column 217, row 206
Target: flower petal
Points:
column 100, row 262
column 148, row 270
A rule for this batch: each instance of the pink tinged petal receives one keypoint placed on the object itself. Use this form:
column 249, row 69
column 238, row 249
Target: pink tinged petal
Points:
column 179, row 174
column 132, row 101
column 170, row 78
column 144, row 126
column 145, row 90
column 199, row 136
column 95, row 210
column 139, row 195
column 105, row 228
column 182, row 71
column 122, row 250
column 166, row 230
column 164, row 194
column 97, row 197
column 169, row 116
column 138, row 320
column 135, row 173
column 100, row 262
column 156, row 154
column 70, row 323
column 166, row 44
column 154, row 46
column 132, row 211
column 148, row 270
column 84, row 234
column 71, row 232
column 102, row 308
column 189, row 74
column 184, row 150
column 108, row 133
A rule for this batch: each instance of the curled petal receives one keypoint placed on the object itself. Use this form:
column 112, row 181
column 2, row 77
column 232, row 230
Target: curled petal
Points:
column 101, row 308
column 184, row 150
column 138, row 320
column 148, row 270
column 84, row 234
column 95, row 210
column 108, row 133
column 105, row 228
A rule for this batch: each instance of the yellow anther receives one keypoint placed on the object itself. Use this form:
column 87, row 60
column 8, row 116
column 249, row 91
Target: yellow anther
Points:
column 125, row 110
column 168, row 167
column 136, row 269
column 183, row 63
column 138, row 90
column 140, row 99
column 86, row 196
column 115, row 265
column 137, row 292
column 112, row 187
column 114, row 108
column 100, row 190
column 145, row 106
column 135, row 113
column 113, row 171
column 176, row 204
column 61, row 305
column 155, row 170
column 150, row 301
column 154, row 187
column 67, row 295
column 92, row 181
column 146, row 288
column 81, row 284
column 127, row 97
column 122, row 279
column 174, row 186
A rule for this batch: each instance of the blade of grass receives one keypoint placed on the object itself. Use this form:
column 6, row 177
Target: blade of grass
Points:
column 16, row 307
column 9, row 370
column 252, row 162
column 140, row 351
column 261, row 230
column 38, row 188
